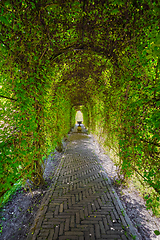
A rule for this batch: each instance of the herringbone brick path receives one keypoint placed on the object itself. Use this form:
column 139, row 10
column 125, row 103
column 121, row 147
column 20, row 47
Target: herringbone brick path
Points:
column 81, row 203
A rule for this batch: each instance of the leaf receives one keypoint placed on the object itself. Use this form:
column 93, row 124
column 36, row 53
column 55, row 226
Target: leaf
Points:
column 4, row 20
column 157, row 232
column 33, row 5
column 149, row 56
column 146, row 197
column 115, row 11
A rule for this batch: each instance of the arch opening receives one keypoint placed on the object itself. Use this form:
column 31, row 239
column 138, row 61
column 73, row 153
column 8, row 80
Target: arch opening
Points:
column 79, row 116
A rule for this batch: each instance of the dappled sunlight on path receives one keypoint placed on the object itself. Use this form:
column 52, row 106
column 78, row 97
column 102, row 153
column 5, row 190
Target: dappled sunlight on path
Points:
column 82, row 203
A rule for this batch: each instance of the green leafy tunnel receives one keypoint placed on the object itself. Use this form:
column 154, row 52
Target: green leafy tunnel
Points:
column 60, row 56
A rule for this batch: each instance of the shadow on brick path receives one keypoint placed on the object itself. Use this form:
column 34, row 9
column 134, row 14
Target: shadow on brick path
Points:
column 81, row 204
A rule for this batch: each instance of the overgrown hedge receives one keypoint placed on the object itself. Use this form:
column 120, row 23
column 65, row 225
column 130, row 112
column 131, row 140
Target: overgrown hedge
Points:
column 126, row 119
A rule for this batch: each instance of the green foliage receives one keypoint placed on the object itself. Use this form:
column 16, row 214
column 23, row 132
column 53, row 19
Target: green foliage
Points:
column 9, row 193
column 85, row 116
column 157, row 232
column 103, row 55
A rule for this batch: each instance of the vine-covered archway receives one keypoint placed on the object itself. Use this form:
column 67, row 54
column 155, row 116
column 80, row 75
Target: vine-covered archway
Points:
column 57, row 55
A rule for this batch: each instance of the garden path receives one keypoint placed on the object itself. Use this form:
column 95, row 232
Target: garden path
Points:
column 82, row 203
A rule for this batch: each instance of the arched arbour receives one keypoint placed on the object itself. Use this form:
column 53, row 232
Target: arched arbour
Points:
column 105, row 95
column 84, row 79
column 38, row 39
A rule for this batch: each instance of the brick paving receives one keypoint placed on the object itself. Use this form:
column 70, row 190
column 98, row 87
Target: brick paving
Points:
column 81, row 204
